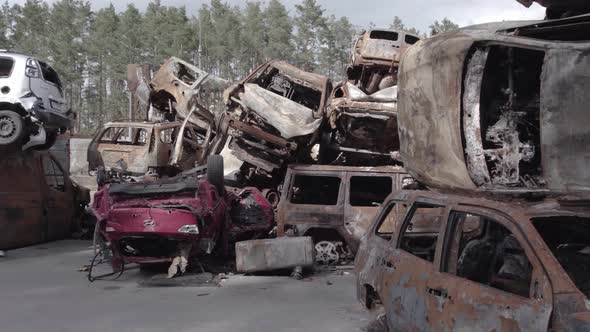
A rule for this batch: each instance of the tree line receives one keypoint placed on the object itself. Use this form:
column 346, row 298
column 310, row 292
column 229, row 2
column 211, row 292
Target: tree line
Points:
column 91, row 49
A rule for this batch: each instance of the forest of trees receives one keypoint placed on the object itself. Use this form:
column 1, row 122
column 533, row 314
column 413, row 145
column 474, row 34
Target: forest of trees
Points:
column 91, row 49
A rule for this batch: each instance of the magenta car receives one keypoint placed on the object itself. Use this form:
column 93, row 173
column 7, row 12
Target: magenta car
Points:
column 155, row 221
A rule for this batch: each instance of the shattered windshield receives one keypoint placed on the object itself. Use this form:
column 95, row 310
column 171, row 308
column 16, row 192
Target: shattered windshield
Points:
column 291, row 88
column 569, row 240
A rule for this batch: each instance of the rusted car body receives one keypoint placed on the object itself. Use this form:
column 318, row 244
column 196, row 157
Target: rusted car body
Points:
column 38, row 201
column 375, row 57
column 178, row 88
column 560, row 8
column 156, row 221
column 498, row 107
column 274, row 116
column 357, row 122
column 136, row 148
column 441, row 262
column 334, row 204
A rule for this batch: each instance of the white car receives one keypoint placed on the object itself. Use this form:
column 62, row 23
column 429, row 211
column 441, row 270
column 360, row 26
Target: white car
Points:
column 32, row 108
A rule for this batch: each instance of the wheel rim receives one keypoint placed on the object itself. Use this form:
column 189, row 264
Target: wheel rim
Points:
column 8, row 127
column 326, row 253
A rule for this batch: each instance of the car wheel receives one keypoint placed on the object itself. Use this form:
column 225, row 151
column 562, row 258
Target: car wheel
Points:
column 11, row 127
column 49, row 141
column 215, row 172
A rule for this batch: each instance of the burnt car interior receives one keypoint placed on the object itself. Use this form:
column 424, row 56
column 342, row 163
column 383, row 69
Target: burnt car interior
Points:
column 504, row 116
column 484, row 251
column 285, row 86
column 420, row 231
column 185, row 74
column 124, row 136
column 369, row 190
column 315, row 190
column 568, row 238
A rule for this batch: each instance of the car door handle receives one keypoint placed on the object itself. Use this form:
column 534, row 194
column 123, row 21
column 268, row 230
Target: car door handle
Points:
column 439, row 292
column 388, row 264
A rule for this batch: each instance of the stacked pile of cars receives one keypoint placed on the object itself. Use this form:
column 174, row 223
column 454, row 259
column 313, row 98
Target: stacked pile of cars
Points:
column 493, row 120
column 277, row 117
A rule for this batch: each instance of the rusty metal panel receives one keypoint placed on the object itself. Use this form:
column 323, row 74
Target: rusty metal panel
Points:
column 274, row 254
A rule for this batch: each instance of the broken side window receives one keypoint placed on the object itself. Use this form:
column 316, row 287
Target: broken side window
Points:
column 420, row 232
column 502, row 116
column 390, row 218
column 369, row 190
column 125, row 136
column 484, row 251
column 53, row 174
column 50, row 75
column 315, row 190
column 386, row 35
column 411, row 40
column 6, row 65
column 168, row 136
column 185, row 74
column 568, row 238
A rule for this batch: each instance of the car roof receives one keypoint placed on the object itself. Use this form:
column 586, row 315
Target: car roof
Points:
column 507, row 205
column 4, row 53
column 332, row 168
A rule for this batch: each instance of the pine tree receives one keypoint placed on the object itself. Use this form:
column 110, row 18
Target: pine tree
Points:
column 30, row 29
column 253, row 37
column 311, row 25
column 442, row 26
column 278, row 28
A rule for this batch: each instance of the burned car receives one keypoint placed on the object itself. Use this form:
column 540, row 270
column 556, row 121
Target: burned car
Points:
column 32, row 108
column 444, row 262
column 186, row 216
column 274, row 117
column 507, row 111
column 38, row 200
column 335, row 205
column 375, row 57
column 179, row 89
column 361, row 128
column 124, row 149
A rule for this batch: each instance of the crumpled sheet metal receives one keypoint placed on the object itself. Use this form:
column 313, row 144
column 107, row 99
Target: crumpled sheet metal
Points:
column 287, row 116
column 387, row 95
column 185, row 90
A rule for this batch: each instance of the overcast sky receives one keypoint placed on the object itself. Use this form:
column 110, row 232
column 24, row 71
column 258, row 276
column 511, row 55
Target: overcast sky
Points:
column 414, row 13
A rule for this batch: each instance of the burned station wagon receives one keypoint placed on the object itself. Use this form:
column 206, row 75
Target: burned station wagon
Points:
column 335, row 204
column 135, row 148
column 442, row 262
column 498, row 107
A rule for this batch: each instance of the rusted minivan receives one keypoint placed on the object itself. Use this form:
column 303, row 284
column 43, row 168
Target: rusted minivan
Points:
column 335, row 204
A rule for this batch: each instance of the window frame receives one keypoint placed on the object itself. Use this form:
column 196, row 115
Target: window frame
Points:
column 11, row 68
column 441, row 232
column 339, row 198
column 538, row 269
column 350, row 186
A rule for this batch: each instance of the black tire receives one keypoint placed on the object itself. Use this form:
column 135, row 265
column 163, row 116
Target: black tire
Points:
column 215, row 172
column 12, row 128
column 101, row 176
column 49, row 141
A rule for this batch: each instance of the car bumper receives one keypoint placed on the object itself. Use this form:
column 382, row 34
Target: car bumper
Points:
column 52, row 119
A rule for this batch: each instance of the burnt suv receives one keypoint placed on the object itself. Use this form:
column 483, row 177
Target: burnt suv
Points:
column 447, row 262
column 32, row 109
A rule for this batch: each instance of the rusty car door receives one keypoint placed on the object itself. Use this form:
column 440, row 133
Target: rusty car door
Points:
column 364, row 195
column 60, row 202
column 311, row 200
column 408, row 266
column 490, row 279
column 21, row 201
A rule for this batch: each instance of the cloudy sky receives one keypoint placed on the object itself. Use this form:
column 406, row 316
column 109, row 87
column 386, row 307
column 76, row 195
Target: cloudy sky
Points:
column 417, row 13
